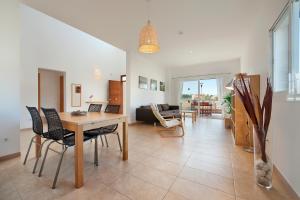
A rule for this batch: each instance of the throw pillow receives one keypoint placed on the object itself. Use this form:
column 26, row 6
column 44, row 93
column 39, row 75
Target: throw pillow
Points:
column 165, row 107
column 159, row 107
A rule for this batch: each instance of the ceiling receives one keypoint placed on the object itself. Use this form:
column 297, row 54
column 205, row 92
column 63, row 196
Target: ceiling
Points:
column 213, row 30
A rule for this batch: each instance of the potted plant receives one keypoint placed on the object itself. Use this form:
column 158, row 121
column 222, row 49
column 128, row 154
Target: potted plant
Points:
column 260, row 115
column 227, row 102
column 227, row 105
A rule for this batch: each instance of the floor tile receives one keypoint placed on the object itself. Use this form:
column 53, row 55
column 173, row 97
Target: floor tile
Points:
column 208, row 179
column 195, row 191
column 163, row 165
column 154, row 176
column 174, row 196
column 137, row 189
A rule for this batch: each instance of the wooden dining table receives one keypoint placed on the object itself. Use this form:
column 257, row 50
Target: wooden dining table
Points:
column 79, row 124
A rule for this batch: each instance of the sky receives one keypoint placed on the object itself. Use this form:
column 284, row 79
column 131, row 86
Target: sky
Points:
column 209, row 87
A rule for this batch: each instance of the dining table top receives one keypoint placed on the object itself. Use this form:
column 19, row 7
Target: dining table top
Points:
column 90, row 117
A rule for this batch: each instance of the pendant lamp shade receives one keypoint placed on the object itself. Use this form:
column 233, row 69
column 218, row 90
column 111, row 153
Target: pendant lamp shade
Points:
column 148, row 39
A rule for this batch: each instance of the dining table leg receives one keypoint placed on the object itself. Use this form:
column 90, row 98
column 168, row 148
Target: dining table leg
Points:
column 78, row 157
column 125, row 140
column 38, row 146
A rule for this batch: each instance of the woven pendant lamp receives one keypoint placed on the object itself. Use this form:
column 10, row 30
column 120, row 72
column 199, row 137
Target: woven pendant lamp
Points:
column 148, row 39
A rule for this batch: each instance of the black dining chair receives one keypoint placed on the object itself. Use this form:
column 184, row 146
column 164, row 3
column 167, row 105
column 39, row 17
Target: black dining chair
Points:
column 95, row 107
column 95, row 132
column 111, row 129
column 58, row 135
column 37, row 127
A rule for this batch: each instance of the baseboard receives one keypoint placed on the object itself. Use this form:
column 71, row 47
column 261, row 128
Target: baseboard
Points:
column 10, row 156
column 25, row 129
column 283, row 179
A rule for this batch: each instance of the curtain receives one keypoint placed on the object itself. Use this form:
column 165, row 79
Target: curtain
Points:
column 220, row 85
column 176, row 91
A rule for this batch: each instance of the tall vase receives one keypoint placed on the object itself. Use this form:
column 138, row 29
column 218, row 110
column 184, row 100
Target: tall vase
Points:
column 263, row 166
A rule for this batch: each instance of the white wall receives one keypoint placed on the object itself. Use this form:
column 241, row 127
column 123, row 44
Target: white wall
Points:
column 50, row 44
column 285, row 126
column 229, row 67
column 138, row 65
column 9, row 76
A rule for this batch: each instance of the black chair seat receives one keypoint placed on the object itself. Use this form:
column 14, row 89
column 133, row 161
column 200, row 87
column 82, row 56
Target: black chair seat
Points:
column 66, row 133
column 93, row 133
column 69, row 140
column 110, row 128
column 101, row 131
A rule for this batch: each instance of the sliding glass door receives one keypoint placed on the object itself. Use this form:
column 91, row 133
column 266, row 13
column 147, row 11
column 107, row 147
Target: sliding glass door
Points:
column 194, row 92
column 189, row 94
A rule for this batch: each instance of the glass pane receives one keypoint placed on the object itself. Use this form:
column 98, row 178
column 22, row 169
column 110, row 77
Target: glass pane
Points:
column 189, row 94
column 294, row 78
column 209, row 90
column 281, row 54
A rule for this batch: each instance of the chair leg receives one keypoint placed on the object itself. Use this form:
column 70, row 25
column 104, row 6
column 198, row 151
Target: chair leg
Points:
column 37, row 160
column 96, row 152
column 106, row 140
column 182, row 130
column 119, row 141
column 44, row 159
column 28, row 150
column 58, row 167
column 101, row 140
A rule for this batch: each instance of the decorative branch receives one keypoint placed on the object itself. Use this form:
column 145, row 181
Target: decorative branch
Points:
column 260, row 115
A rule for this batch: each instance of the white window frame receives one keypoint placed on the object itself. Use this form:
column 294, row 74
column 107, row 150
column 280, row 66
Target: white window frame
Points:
column 284, row 12
column 293, row 89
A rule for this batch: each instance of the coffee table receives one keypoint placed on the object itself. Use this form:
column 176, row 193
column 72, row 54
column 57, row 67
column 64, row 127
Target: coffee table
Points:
column 192, row 112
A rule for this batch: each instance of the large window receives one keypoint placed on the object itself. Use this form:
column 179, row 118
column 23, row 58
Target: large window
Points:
column 285, row 40
column 195, row 91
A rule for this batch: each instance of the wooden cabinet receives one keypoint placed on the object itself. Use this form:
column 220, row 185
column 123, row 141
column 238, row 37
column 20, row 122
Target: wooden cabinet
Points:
column 241, row 124
column 115, row 93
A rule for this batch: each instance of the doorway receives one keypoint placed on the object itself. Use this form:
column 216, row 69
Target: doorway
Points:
column 51, row 89
column 115, row 94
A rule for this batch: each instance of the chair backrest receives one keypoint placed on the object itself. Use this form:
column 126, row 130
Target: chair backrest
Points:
column 55, row 127
column 95, row 107
column 158, row 115
column 37, row 123
column 112, row 109
column 115, row 109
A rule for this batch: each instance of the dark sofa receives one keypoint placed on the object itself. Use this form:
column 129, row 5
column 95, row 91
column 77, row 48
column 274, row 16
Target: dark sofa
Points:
column 145, row 114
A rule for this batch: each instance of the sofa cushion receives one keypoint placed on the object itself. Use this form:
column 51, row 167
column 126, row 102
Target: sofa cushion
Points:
column 165, row 107
column 170, row 114
column 146, row 107
column 160, row 109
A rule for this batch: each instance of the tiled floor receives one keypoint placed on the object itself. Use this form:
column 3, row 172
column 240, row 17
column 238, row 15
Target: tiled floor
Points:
column 204, row 165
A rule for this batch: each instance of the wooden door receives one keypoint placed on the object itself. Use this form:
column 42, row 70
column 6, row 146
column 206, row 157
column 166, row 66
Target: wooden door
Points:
column 115, row 93
column 39, row 92
column 61, row 94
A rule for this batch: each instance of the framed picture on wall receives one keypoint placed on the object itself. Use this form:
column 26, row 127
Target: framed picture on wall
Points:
column 153, row 84
column 76, row 91
column 143, row 82
column 162, row 86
